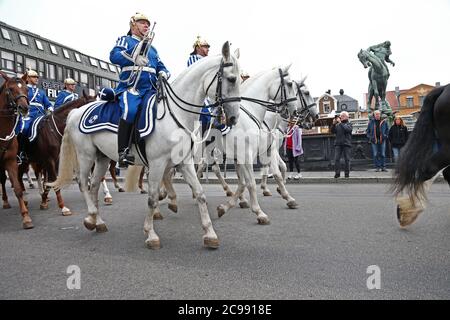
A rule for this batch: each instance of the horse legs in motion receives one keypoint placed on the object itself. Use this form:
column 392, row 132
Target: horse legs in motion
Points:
column 112, row 172
column 6, row 204
column 426, row 153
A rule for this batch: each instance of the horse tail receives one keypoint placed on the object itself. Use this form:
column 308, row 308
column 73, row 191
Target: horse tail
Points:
column 132, row 178
column 68, row 162
column 411, row 170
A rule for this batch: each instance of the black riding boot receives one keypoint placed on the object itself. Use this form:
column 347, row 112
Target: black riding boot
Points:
column 22, row 156
column 123, row 137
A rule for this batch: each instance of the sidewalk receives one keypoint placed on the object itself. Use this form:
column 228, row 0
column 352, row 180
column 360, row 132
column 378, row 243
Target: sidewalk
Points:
column 360, row 176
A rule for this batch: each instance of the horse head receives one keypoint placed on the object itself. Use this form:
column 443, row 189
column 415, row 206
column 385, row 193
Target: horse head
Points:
column 363, row 57
column 282, row 91
column 309, row 111
column 15, row 94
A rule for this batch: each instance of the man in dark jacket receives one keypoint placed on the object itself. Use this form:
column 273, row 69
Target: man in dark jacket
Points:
column 342, row 128
column 377, row 133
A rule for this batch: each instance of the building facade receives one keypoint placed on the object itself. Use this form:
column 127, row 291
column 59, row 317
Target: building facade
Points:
column 21, row 50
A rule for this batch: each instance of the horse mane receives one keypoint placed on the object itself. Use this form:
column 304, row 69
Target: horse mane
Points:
column 73, row 104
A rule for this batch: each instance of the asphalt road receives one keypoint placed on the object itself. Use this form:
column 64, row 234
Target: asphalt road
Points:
column 320, row 251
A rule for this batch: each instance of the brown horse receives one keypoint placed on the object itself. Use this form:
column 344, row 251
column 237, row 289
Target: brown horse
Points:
column 43, row 152
column 13, row 101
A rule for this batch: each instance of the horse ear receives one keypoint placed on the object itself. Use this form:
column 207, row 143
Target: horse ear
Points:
column 286, row 68
column 226, row 51
column 4, row 75
column 237, row 53
column 25, row 77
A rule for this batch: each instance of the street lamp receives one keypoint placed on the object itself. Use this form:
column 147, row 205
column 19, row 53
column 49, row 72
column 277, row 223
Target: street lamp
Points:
column 397, row 94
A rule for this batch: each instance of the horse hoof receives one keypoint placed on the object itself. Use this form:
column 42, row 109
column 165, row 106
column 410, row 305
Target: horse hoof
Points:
column 143, row 192
column 244, row 205
column 66, row 213
column 157, row 216
column 28, row 225
column 173, row 207
column 211, row 243
column 220, row 211
column 153, row 244
column 121, row 189
column 101, row 228
column 43, row 206
column 89, row 225
column 108, row 201
column 162, row 195
column 263, row 220
column 407, row 217
column 229, row 193
column 6, row 206
column 267, row 193
column 292, row 204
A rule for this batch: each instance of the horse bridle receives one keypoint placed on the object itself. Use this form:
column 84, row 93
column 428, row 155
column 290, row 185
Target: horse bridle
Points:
column 11, row 102
column 305, row 110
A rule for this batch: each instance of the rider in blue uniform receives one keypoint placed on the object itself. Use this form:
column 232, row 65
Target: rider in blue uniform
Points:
column 68, row 94
column 134, row 92
column 201, row 50
column 39, row 104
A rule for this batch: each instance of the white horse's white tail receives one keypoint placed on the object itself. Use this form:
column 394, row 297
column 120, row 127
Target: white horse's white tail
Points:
column 132, row 178
column 67, row 162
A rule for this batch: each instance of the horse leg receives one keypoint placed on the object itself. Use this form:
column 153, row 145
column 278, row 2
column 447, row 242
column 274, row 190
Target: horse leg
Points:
column 282, row 167
column 264, row 175
column 243, row 202
column 251, row 186
column 112, row 172
column 223, row 208
column 410, row 206
column 201, row 167
column 210, row 239
column 170, row 190
column 30, row 181
column 101, row 166
column 6, row 204
column 108, row 197
column 274, row 166
column 156, row 171
column 12, row 168
column 141, row 180
column 216, row 169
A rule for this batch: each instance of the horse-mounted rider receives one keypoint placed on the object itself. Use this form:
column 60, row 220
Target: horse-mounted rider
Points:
column 201, row 50
column 382, row 51
column 140, row 66
column 68, row 94
column 39, row 104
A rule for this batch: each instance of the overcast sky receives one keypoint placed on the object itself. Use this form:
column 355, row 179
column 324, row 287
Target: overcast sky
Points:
column 321, row 38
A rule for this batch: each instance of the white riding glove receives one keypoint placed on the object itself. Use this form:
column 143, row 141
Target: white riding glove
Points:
column 163, row 74
column 141, row 61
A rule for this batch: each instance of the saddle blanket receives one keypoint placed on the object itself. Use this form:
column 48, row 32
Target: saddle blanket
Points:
column 29, row 127
column 105, row 115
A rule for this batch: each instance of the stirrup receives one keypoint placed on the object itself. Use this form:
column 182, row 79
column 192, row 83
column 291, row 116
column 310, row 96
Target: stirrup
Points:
column 126, row 159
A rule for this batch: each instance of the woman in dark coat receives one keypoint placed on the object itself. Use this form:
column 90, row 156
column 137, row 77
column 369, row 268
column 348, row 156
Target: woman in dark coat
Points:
column 398, row 134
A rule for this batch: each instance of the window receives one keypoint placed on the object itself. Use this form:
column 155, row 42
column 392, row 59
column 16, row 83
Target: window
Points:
column 69, row 73
column 39, row 45
column 19, row 64
column 103, row 65
column 51, row 71
column 59, row 73
column 30, row 64
column 5, row 34
column 421, row 100
column 93, row 62
column 41, row 69
column 410, row 101
column 77, row 57
column 76, row 76
column 83, row 78
column 66, row 54
column 112, row 68
column 326, row 107
column 7, row 61
column 53, row 49
column 106, row 83
column 23, row 39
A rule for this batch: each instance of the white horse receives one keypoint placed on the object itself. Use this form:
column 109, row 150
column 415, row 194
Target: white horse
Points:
column 274, row 85
column 306, row 117
column 164, row 148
